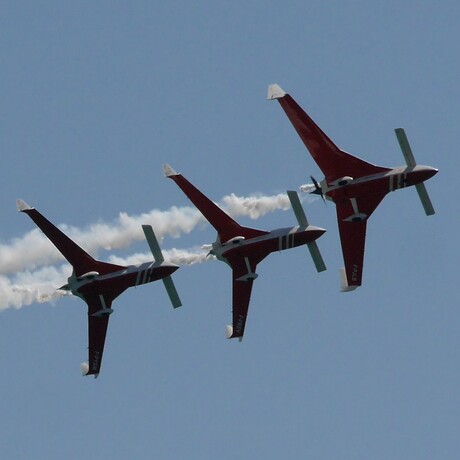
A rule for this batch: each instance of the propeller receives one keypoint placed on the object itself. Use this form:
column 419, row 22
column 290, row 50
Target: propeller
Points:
column 318, row 190
column 410, row 160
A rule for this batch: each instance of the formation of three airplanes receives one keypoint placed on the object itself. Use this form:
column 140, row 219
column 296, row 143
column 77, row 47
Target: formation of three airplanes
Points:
column 355, row 186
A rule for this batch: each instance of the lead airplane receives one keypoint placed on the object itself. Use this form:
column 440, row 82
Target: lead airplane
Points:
column 100, row 283
column 243, row 247
column 355, row 186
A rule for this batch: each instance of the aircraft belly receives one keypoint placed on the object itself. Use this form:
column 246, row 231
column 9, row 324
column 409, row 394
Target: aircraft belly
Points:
column 377, row 186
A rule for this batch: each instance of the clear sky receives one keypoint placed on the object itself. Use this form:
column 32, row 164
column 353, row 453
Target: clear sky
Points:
column 96, row 96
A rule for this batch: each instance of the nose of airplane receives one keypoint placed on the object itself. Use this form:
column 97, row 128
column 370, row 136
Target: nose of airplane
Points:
column 421, row 174
column 433, row 171
column 316, row 232
column 171, row 268
column 427, row 173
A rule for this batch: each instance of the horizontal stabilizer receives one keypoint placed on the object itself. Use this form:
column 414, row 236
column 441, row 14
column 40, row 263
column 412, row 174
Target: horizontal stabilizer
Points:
column 344, row 287
column 22, row 206
column 172, row 292
column 425, row 199
column 303, row 222
column 410, row 160
column 153, row 243
column 275, row 92
column 297, row 208
column 316, row 256
column 158, row 256
column 405, row 147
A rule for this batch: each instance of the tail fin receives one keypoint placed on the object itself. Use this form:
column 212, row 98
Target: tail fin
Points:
column 81, row 261
column 226, row 227
column 158, row 255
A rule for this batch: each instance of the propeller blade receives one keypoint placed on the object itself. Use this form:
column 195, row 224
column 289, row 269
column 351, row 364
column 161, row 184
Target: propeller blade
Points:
column 425, row 199
column 318, row 190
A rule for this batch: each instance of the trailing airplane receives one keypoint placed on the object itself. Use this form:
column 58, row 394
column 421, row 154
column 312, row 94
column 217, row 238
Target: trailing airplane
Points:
column 100, row 283
column 355, row 186
column 242, row 248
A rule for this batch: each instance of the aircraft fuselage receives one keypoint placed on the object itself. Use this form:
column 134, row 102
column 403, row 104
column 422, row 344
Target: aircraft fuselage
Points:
column 132, row 275
column 276, row 240
column 389, row 181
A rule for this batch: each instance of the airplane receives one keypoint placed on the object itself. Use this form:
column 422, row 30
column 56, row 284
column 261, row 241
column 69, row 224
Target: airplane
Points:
column 354, row 185
column 100, row 283
column 242, row 248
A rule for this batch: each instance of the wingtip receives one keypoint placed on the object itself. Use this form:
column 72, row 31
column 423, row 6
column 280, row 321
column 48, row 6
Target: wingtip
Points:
column 22, row 206
column 275, row 92
column 344, row 286
column 168, row 171
column 84, row 368
column 229, row 333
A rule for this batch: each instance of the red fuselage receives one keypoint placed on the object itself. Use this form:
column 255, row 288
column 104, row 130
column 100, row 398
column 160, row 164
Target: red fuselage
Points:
column 389, row 181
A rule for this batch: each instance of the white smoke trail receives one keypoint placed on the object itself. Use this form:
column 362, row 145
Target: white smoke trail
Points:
column 33, row 249
column 20, row 260
column 175, row 256
column 307, row 188
column 29, row 287
column 41, row 285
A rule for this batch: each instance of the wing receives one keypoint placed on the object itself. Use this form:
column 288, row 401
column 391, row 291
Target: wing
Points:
column 243, row 276
column 353, row 236
column 225, row 226
column 97, row 330
column 333, row 162
column 241, row 297
column 81, row 261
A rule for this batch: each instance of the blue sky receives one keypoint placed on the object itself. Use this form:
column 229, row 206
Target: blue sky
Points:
column 98, row 95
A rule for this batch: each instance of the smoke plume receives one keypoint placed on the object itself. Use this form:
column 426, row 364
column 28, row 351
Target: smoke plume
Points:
column 27, row 264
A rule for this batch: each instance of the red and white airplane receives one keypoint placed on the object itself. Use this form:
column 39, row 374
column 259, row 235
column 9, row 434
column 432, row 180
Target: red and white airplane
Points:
column 355, row 186
column 100, row 283
column 243, row 247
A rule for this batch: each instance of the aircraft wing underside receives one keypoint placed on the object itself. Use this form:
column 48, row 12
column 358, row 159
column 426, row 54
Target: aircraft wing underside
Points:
column 333, row 162
column 225, row 226
column 243, row 275
column 353, row 234
column 97, row 330
column 81, row 261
